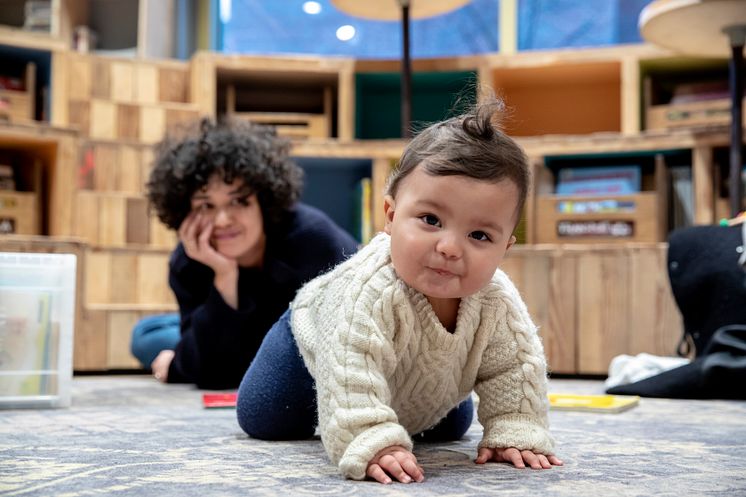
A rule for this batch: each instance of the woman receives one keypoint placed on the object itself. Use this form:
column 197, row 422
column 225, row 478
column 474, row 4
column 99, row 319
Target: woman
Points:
column 245, row 247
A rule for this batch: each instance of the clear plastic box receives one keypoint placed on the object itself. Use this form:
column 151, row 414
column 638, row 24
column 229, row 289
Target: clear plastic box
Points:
column 37, row 315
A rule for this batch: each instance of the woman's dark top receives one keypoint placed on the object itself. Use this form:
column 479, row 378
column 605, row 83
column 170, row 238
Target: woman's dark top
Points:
column 218, row 342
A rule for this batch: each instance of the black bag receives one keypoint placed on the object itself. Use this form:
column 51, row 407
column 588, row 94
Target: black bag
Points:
column 709, row 286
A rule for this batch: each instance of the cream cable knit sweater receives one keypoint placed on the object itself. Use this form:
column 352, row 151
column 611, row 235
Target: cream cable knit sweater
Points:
column 385, row 367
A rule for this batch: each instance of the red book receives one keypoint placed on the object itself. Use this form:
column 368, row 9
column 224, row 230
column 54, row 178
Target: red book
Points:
column 219, row 400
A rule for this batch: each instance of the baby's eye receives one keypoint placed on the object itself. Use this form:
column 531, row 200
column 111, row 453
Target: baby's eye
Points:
column 430, row 219
column 481, row 236
column 204, row 207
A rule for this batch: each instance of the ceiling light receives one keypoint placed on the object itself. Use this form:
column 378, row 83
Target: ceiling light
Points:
column 346, row 32
column 311, row 7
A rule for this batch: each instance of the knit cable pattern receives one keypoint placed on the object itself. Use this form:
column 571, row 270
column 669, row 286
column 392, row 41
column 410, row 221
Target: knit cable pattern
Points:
column 385, row 367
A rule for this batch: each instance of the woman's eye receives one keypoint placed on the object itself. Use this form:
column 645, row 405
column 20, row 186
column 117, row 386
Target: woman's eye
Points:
column 242, row 201
column 430, row 219
column 204, row 207
column 480, row 235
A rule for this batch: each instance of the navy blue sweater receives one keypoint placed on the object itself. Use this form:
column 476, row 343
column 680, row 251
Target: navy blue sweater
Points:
column 218, row 342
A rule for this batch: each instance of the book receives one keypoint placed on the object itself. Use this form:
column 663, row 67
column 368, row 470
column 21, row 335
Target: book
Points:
column 219, row 400
column 593, row 403
column 631, row 174
column 588, row 187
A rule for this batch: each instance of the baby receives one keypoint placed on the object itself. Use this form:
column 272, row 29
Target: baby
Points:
column 388, row 346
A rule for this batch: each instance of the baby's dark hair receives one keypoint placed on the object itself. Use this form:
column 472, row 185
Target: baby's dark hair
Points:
column 471, row 145
column 185, row 161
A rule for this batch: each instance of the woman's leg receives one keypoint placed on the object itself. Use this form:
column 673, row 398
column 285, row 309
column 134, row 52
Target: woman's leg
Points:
column 276, row 399
column 452, row 427
column 152, row 334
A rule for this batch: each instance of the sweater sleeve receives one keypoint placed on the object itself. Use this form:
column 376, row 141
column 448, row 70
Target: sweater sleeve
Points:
column 356, row 419
column 511, row 382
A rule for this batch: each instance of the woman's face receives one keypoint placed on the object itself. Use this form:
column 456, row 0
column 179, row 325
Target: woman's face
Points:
column 237, row 222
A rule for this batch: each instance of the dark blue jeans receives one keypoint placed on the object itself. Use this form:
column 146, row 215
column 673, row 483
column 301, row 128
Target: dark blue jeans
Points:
column 277, row 399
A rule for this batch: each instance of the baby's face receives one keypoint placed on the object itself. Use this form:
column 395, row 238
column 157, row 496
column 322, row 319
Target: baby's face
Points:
column 449, row 233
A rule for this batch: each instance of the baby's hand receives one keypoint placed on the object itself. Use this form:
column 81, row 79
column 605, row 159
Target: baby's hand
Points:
column 397, row 462
column 519, row 458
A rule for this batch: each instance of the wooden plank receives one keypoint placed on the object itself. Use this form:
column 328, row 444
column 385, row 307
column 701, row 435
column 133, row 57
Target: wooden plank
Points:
column 105, row 172
column 120, row 326
column 128, row 126
column 346, row 104
column 86, row 224
column 630, row 96
column 97, row 277
column 122, row 82
column 146, row 83
column 152, row 124
column 655, row 323
column 60, row 88
column 62, row 178
column 130, row 169
column 124, row 277
column 80, row 77
column 704, row 194
column 560, row 335
column 103, row 119
column 173, row 85
column 138, row 221
column 153, row 279
column 101, row 83
column 80, row 116
column 160, row 235
column 603, row 309
column 203, row 84
column 147, row 156
column 90, row 342
column 178, row 118
column 113, row 219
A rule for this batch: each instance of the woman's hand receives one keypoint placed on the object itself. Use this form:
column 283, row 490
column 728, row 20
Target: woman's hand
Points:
column 194, row 233
column 519, row 458
column 161, row 363
column 397, row 462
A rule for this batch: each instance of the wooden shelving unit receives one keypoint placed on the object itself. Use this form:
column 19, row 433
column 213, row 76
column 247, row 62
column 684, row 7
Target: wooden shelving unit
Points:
column 108, row 111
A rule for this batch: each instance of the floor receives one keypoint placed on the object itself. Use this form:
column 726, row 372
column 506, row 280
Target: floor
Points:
column 130, row 435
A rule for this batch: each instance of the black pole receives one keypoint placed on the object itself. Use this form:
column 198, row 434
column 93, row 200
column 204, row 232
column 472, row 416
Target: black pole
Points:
column 736, row 125
column 406, row 75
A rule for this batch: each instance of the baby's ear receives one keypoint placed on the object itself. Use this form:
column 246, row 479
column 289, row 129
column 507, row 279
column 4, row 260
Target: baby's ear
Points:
column 388, row 210
column 511, row 242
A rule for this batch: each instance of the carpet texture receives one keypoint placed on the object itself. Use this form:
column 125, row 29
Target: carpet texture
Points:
column 127, row 436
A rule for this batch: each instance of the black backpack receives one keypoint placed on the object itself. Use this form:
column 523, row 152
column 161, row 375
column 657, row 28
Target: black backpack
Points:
column 708, row 281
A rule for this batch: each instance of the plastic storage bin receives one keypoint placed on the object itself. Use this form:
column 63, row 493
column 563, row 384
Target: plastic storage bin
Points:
column 37, row 311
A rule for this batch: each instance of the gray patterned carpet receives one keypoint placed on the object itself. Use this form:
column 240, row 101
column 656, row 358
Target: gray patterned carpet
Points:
column 127, row 436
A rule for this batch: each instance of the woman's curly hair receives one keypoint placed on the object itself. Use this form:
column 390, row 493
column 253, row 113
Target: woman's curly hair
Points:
column 232, row 149
column 471, row 145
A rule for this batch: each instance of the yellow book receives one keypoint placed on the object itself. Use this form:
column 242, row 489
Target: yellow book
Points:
column 595, row 403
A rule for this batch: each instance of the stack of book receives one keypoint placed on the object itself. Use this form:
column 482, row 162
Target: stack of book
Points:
column 38, row 15
column 596, row 181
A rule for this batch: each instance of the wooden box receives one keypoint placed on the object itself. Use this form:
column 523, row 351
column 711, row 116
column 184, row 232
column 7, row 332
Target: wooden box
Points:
column 585, row 219
column 19, row 213
column 704, row 113
column 18, row 105
column 291, row 124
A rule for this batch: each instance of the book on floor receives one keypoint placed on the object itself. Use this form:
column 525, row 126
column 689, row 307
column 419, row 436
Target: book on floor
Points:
column 594, row 403
column 219, row 400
